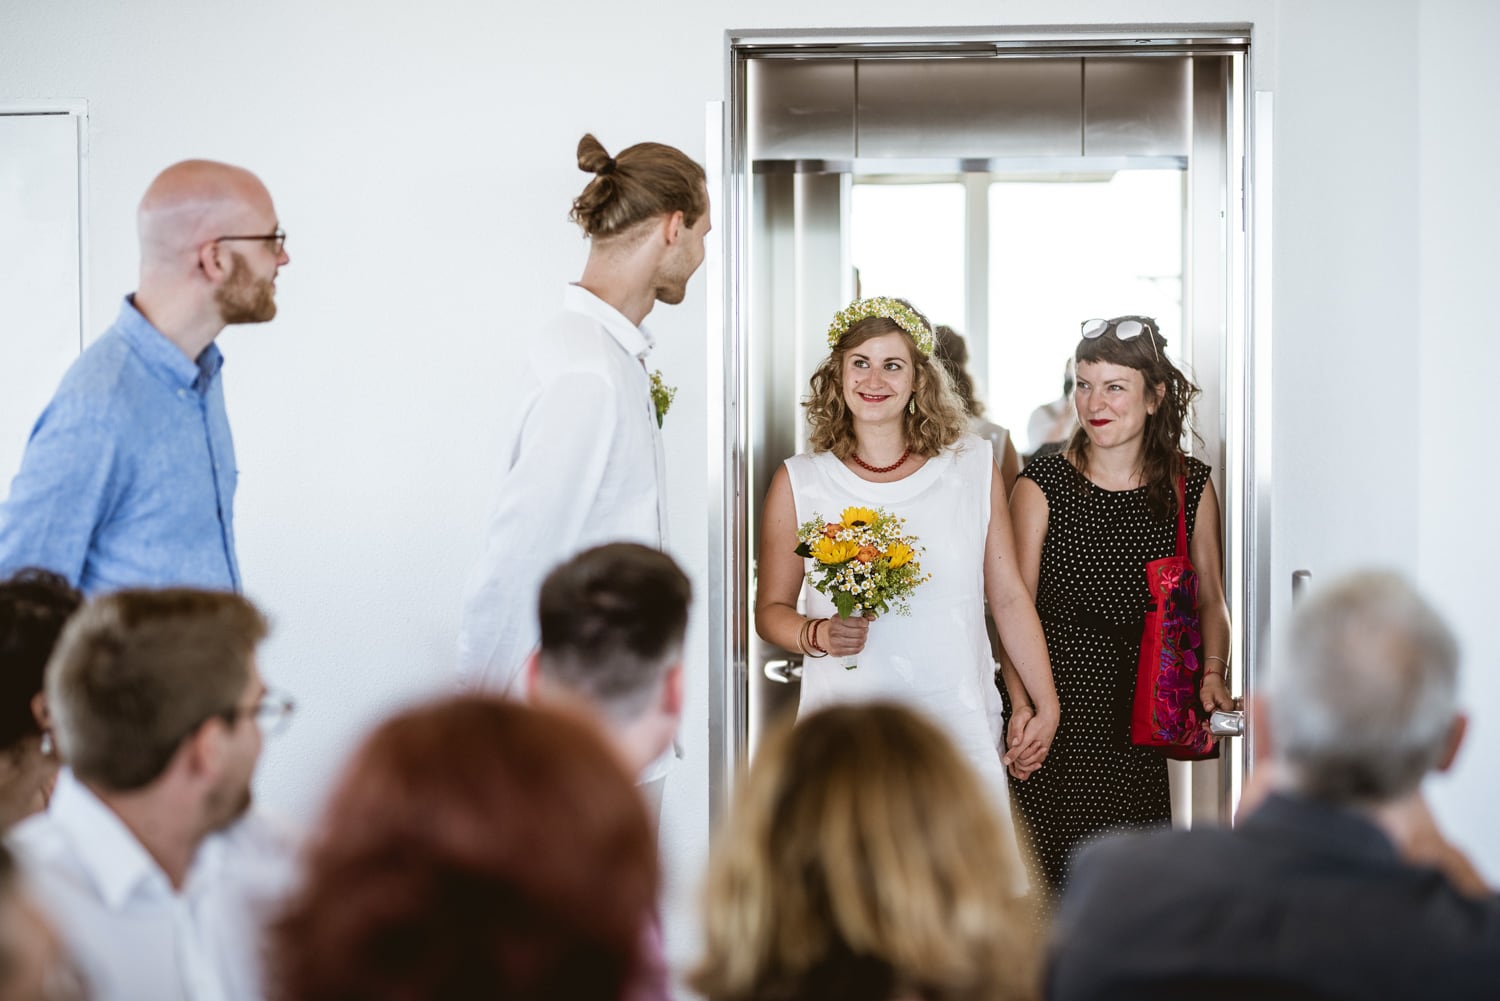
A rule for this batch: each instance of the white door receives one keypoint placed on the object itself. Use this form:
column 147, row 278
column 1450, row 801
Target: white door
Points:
column 41, row 285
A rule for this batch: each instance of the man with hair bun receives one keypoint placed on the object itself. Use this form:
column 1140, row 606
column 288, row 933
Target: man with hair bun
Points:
column 1337, row 882
column 583, row 461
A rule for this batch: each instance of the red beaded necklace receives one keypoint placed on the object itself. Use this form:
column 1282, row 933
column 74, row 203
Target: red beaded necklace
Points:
column 880, row 469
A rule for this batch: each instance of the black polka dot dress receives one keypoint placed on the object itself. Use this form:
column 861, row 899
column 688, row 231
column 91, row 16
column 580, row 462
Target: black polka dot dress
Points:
column 1092, row 597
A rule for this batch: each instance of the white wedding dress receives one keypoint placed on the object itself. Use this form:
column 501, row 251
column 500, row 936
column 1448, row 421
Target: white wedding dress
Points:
column 937, row 659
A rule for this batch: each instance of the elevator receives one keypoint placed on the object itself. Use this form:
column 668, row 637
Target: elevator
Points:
column 1011, row 184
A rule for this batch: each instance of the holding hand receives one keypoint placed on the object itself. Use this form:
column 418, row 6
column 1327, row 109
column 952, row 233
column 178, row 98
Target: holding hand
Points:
column 843, row 637
column 1028, row 740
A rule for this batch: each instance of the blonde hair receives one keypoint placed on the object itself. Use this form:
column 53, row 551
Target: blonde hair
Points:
column 863, row 859
column 644, row 181
column 940, row 416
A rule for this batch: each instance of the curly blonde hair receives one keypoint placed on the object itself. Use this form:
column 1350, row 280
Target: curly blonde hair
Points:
column 863, row 859
column 940, row 416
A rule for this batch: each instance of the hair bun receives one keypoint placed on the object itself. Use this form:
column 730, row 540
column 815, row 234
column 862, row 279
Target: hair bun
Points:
column 606, row 168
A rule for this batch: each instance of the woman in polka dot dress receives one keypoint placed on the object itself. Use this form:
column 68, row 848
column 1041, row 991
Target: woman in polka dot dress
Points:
column 1087, row 520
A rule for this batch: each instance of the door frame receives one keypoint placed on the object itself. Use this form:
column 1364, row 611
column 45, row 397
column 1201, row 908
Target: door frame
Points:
column 1247, row 382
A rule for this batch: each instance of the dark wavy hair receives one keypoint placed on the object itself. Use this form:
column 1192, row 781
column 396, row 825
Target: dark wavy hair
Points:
column 34, row 606
column 475, row 848
column 940, row 416
column 645, row 180
column 1162, row 458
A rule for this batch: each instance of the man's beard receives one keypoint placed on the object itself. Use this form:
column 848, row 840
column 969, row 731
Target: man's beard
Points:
column 672, row 281
column 228, row 804
column 243, row 298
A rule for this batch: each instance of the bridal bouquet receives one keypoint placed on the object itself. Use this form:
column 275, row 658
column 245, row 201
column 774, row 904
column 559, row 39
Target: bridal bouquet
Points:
column 865, row 562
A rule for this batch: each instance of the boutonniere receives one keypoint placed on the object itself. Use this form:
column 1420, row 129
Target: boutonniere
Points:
column 662, row 396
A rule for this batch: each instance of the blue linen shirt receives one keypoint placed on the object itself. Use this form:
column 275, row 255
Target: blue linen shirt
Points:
column 129, row 475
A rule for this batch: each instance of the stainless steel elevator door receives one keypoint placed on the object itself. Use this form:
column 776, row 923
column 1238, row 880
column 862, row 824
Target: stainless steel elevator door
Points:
column 1146, row 193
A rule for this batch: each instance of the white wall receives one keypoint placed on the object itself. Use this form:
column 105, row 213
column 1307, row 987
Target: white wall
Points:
column 421, row 158
column 1460, row 356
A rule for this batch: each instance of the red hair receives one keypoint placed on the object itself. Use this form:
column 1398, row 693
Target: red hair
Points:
column 475, row 848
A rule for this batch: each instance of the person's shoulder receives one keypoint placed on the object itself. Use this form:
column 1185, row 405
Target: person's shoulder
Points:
column 43, row 850
column 1049, row 470
column 803, row 462
column 1126, row 860
column 571, row 342
column 91, row 385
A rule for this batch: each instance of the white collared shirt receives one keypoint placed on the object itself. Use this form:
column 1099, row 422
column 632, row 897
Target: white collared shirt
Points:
column 583, row 466
column 130, row 933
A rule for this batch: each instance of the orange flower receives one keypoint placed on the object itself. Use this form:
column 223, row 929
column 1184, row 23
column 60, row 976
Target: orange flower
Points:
column 832, row 529
column 867, row 554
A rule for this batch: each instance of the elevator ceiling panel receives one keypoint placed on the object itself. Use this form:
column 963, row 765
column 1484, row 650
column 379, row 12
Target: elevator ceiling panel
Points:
column 970, row 108
column 801, row 109
column 1136, row 107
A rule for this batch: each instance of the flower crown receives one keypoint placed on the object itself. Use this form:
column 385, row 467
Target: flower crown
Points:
column 891, row 309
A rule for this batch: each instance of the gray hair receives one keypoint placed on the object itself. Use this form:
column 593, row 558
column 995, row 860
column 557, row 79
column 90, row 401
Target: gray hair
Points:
column 1363, row 700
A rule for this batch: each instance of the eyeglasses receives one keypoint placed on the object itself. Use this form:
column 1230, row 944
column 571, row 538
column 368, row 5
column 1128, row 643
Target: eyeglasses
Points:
column 271, row 713
column 278, row 239
column 1124, row 330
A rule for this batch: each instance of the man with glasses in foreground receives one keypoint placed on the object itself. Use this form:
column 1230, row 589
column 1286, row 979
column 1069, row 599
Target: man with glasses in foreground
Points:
column 149, row 859
column 129, row 476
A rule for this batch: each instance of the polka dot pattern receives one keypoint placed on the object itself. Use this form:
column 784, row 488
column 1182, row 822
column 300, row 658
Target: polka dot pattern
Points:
column 1095, row 781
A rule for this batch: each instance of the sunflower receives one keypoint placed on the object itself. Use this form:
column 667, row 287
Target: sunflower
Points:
column 832, row 551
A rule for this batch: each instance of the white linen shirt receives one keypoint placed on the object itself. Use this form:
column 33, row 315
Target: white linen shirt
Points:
column 130, row 933
column 583, row 466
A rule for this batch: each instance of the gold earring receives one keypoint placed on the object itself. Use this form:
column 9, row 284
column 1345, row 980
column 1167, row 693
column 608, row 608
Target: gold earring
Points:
column 911, row 404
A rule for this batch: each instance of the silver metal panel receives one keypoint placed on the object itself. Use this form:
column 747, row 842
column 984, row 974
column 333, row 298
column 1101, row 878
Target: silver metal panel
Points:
column 726, row 176
column 801, row 109
column 1206, row 287
column 1136, row 107
column 1022, row 40
column 1049, row 167
column 1258, row 215
column 970, row 108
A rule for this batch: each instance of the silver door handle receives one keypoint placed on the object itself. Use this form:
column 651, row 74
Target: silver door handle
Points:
column 786, row 672
column 1227, row 723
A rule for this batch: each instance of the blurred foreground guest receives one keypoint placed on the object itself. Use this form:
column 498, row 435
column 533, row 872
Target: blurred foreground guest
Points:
column 1338, row 884
column 863, row 862
column 129, row 475
column 613, row 620
column 34, row 605
column 149, row 859
column 33, row 966
column 474, row 849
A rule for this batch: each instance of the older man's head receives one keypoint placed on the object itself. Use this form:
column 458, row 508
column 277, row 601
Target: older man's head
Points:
column 1364, row 701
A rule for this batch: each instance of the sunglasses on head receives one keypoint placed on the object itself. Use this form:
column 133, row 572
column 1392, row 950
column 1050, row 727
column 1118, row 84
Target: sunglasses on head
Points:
column 1124, row 330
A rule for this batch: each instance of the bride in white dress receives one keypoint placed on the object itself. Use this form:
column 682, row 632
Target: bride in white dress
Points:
column 887, row 430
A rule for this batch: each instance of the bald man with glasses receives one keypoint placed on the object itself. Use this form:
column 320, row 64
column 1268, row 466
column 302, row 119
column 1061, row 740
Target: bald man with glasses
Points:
column 129, row 475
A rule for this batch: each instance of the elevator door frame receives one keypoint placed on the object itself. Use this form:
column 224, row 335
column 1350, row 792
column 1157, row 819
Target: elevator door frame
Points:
column 1245, row 382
